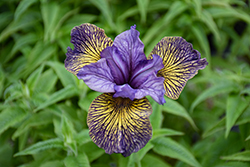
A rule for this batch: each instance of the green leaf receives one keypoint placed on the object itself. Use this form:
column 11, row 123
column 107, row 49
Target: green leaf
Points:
column 34, row 78
column 41, row 146
column 25, row 21
column 35, row 120
column 219, row 12
column 156, row 117
column 135, row 158
column 224, row 87
column 208, row 20
column 46, row 82
column 241, row 156
column 50, row 14
column 233, row 164
column 77, row 161
column 22, row 7
column 235, row 106
column 62, row 94
column 165, row 132
column 83, row 137
column 21, row 42
column 65, row 77
column 153, row 161
column 175, row 108
column 56, row 163
column 44, row 51
column 220, row 125
column 201, row 36
column 170, row 148
column 103, row 6
column 11, row 116
column 143, row 5
column 175, row 9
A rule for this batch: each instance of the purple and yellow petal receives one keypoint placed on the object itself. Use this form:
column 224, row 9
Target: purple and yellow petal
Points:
column 98, row 76
column 119, row 125
column 88, row 40
column 181, row 63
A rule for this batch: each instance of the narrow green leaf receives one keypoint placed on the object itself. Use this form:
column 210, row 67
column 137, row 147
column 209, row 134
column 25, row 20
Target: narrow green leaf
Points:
column 235, row 106
column 65, row 77
column 228, row 11
column 175, row 9
column 34, row 78
column 233, row 164
column 83, row 137
column 220, row 125
column 44, row 51
column 241, row 156
column 50, row 12
column 165, row 132
column 209, row 21
column 143, row 5
column 22, row 7
column 170, row 148
column 217, row 89
column 103, row 6
column 175, row 108
column 156, row 117
column 79, row 161
column 46, row 82
column 135, row 158
column 41, row 146
column 248, row 137
column 25, row 21
column 201, row 36
column 21, row 42
column 11, row 116
column 56, row 163
column 153, row 161
column 62, row 94
column 35, row 120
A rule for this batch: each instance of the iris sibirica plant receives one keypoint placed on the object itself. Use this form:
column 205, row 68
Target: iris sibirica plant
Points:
column 118, row 119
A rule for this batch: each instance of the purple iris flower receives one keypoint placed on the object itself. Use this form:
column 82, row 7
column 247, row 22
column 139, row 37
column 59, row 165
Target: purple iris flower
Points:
column 118, row 119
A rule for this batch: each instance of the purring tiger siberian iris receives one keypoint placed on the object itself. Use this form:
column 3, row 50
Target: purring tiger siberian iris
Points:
column 118, row 119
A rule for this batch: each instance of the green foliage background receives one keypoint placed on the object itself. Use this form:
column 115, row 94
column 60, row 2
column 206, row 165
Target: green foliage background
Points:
column 43, row 107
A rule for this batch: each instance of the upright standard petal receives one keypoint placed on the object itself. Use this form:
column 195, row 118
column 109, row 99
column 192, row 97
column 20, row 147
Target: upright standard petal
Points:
column 117, row 64
column 181, row 63
column 88, row 40
column 146, row 82
column 131, row 47
column 119, row 125
column 98, row 76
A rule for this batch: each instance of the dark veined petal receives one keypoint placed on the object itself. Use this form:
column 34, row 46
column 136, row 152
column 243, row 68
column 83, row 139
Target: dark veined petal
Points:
column 131, row 47
column 88, row 40
column 181, row 62
column 119, row 125
column 98, row 76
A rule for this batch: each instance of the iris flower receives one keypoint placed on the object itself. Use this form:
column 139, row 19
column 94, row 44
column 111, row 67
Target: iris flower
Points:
column 118, row 119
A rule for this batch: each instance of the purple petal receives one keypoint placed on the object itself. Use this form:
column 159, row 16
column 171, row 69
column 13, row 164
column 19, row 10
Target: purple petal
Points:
column 98, row 76
column 117, row 64
column 88, row 40
column 181, row 63
column 152, row 86
column 125, row 91
column 131, row 47
column 119, row 125
column 144, row 69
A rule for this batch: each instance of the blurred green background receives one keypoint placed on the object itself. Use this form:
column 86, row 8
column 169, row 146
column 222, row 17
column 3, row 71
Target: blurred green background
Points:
column 43, row 107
